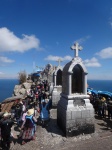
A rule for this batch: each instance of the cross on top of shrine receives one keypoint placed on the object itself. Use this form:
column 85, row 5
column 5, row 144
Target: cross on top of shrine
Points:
column 59, row 61
column 76, row 47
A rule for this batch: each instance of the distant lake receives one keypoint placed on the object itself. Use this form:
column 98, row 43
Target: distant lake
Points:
column 103, row 85
column 7, row 87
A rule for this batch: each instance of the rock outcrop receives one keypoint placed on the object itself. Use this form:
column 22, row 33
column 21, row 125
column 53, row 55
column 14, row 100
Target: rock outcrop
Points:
column 22, row 89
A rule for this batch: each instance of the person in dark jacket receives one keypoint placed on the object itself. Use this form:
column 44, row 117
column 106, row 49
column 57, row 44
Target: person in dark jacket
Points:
column 6, row 124
column 109, row 108
column 18, row 112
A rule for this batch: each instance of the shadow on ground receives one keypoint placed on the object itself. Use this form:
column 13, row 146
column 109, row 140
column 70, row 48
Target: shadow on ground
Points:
column 54, row 128
column 104, row 124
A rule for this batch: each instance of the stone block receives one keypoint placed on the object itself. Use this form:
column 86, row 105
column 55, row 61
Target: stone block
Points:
column 55, row 98
column 90, row 120
column 59, row 89
column 71, row 124
column 76, row 114
column 92, row 115
column 80, row 122
column 68, row 115
column 85, row 113
column 74, row 120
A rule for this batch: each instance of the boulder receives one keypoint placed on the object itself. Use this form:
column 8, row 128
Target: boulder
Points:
column 17, row 89
column 23, row 91
column 27, row 85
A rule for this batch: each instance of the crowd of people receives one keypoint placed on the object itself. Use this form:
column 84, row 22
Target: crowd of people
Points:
column 102, row 105
column 34, row 109
column 26, row 114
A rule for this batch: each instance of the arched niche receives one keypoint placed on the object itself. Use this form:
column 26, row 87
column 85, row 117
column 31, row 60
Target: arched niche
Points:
column 77, row 79
column 59, row 77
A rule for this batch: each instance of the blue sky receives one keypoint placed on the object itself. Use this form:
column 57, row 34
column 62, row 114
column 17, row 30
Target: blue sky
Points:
column 38, row 32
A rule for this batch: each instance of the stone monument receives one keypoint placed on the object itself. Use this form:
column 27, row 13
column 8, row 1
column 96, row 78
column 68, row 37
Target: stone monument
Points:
column 57, row 84
column 47, row 74
column 51, row 83
column 75, row 113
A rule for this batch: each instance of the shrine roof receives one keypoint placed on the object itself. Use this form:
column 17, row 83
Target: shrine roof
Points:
column 75, row 61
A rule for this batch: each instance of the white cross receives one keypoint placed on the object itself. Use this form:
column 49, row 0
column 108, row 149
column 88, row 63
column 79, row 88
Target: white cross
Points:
column 76, row 47
column 59, row 60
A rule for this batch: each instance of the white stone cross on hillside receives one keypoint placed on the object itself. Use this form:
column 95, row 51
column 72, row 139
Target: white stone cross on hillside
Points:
column 76, row 47
column 59, row 60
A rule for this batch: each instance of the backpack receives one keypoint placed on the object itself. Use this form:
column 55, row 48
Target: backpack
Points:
column 29, row 122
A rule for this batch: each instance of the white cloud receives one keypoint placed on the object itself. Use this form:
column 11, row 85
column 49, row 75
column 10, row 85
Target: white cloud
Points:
column 10, row 42
column 5, row 60
column 55, row 58
column 8, row 76
column 93, row 62
column 68, row 58
column 82, row 40
column 105, row 53
column 1, row 73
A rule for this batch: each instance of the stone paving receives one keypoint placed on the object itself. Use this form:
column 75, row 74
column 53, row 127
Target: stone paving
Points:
column 52, row 137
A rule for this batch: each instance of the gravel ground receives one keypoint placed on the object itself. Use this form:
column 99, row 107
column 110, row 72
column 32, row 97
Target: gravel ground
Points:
column 51, row 137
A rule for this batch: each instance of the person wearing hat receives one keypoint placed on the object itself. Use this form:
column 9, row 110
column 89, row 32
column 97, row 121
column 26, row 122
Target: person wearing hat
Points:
column 101, row 106
column 6, row 124
column 29, row 126
column 103, row 100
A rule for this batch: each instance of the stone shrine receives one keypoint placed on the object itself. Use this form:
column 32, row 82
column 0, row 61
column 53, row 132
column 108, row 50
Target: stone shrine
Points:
column 57, row 84
column 75, row 113
column 51, row 83
column 47, row 74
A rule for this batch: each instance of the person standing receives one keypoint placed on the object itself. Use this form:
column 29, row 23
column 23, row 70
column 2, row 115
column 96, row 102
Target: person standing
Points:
column 103, row 100
column 99, row 107
column 109, row 108
column 29, row 126
column 18, row 112
column 44, row 112
column 6, row 124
